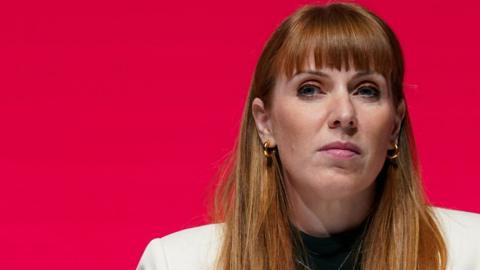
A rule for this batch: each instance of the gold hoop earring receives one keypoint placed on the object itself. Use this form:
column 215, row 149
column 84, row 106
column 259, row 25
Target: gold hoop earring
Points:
column 395, row 154
column 267, row 150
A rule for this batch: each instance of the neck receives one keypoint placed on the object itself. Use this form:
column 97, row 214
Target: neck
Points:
column 323, row 217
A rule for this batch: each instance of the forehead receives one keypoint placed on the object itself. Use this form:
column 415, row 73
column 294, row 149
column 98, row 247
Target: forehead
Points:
column 310, row 67
column 290, row 67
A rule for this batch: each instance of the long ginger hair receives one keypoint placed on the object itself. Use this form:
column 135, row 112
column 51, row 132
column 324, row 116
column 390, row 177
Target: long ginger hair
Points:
column 251, row 200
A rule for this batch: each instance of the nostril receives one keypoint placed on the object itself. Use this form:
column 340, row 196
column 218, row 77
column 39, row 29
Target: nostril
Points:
column 350, row 124
column 336, row 123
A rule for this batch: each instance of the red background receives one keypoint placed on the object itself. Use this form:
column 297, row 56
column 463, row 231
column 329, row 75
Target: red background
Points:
column 115, row 115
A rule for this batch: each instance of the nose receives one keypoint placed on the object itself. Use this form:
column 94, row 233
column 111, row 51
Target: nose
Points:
column 343, row 113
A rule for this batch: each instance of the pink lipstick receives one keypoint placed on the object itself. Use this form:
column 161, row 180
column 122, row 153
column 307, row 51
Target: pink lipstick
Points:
column 341, row 150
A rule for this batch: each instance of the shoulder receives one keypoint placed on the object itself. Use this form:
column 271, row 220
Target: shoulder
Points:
column 192, row 249
column 461, row 232
column 458, row 222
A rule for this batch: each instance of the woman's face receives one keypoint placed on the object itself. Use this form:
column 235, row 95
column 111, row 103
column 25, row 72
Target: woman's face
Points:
column 316, row 108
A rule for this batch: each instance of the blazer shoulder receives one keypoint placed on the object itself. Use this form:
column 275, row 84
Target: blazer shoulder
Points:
column 461, row 231
column 458, row 221
column 193, row 248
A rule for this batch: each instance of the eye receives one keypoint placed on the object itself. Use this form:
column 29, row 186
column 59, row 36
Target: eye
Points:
column 308, row 90
column 369, row 91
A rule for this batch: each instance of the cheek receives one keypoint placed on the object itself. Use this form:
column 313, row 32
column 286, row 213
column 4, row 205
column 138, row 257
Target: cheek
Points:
column 378, row 132
column 293, row 126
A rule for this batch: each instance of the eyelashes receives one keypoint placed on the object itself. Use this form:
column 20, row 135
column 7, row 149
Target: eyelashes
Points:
column 367, row 90
column 308, row 90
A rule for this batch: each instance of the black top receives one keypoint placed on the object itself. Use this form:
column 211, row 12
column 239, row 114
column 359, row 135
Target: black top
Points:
column 329, row 253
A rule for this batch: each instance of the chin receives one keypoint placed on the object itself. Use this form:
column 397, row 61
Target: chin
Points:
column 338, row 186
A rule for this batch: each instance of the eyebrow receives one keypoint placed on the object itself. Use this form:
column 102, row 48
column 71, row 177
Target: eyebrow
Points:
column 322, row 74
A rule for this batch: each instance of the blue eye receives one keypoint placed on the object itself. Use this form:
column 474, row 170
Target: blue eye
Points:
column 368, row 91
column 308, row 90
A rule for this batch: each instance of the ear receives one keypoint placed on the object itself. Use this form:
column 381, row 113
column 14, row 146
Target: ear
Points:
column 263, row 121
column 400, row 114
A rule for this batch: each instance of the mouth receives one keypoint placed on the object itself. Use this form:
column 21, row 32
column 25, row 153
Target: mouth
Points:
column 341, row 150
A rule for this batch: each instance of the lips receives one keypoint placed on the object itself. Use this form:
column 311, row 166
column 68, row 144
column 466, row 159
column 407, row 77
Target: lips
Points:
column 339, row 145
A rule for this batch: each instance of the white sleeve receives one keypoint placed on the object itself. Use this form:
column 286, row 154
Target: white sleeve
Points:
column 153, row 258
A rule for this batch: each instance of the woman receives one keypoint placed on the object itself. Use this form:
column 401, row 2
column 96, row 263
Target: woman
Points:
column 324, row 174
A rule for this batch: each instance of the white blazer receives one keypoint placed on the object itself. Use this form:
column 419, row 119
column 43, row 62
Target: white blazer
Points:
column 196, row 248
